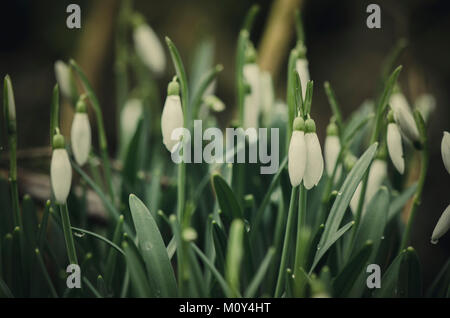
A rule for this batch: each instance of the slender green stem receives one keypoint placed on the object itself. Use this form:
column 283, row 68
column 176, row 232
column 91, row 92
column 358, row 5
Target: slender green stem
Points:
column 423, row 173
column 45, row 273
column 286, row 244
column 301, row 223
column 43, row 226
column 67, row 229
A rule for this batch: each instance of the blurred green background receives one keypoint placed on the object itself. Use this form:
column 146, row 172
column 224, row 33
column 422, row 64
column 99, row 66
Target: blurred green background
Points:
column 341, row 49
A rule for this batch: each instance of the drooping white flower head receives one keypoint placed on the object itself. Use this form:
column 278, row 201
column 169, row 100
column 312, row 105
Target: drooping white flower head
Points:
column 404, row 117
column 377, row 174
column 60, row 170
column 172, row 115
column 425, row 104
column 332, row 149
column 64, row 78
column 445, row 150
column 394, row 144
column 11, row 109
column 267, row 93
column 301, row 66
column 148, row 48
column 314, row 158
column 129, row 120
column 442, row 226
column 252, row 99
column 80, row 135
column 297, row 153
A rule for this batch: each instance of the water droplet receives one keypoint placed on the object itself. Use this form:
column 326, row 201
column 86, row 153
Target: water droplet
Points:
column 78, row 234
column 382, row 237
column 339, row 193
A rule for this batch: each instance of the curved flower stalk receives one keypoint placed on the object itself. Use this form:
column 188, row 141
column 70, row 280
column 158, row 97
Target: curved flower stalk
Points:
column 252, row 98
column 314, row 158
column 394, row 144
column 332, row 149
column 301, row 66
column 404, row 117
column 148, row 46
column 172, row 115
column 442, row 226
column 445, row 150
column 129, row 119
column 80, row 135
column 377, row 174
column 297, row 153
column 60, row 170
column 64, row 78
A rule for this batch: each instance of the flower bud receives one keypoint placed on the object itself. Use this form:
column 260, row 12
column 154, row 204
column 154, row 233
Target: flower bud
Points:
column 252, row 99
column 442, row 226
column 395, row 149
column 81, row 133
column 314, row 158
column 10, row 106
column 301, row 66
column 64, row 78
column 148, row 47
column 297, row 157
column 404, row 117
column 172, row 116
column 332, row 149
column 267, row 93
column 60, row 170
column 129, row 120
column 445, row 150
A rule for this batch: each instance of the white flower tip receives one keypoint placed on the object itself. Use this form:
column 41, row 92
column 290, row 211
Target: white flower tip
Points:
column 149, row 48
column 60, row 174
column 445, row 150
column 81, row 138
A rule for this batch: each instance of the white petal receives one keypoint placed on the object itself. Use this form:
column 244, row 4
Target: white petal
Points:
column 149, row 48
column 80, row 137
column 297, row 157
column 314, row 161
column 377, row 174
column 62, row 73
column 442, row 226
column 395, row 149
column 332, row 149
column 129, row 119
column 445, row 150
column 404, row 117
column 301, row 65
column 60, row 174
column 267, row 94
column 171, row 118
column 252, row 100
column 425, row 104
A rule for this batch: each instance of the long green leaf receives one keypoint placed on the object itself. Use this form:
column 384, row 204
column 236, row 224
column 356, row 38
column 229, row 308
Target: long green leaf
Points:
column 410, row 276
column 154, row 252
column 342, row 201
column 235, row 253
column 101, row 238
column 260, row 274
column 343, row 283
column 399, row 202
column 227, row 200
column 137, row 273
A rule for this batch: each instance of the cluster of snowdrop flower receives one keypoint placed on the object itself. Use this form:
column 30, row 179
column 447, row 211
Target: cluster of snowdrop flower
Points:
column 81, row 140
column 305, row 161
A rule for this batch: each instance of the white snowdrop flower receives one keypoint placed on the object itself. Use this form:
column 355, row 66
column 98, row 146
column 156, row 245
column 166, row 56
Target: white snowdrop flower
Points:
column 301, row 66
column 129, row 119
column 60, row 170
column 297, row 153
column 442, row 226
column 172, row 115
column 377, row 174
column 80, row 135
column 404, row 117
column 148, row 48
column 394, row 144
column 267, row 93
column 445, row 150
column 214, row 103
column 425, row 104
column 64, row 78
column 314, row 158
column 331, row 150
column 252, row 98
